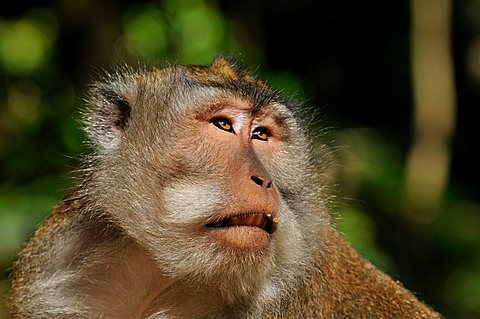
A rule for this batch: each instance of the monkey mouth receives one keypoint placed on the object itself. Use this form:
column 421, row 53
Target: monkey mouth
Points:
column 267, row 222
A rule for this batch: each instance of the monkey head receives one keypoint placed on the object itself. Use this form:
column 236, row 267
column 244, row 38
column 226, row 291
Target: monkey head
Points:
column 203, row 166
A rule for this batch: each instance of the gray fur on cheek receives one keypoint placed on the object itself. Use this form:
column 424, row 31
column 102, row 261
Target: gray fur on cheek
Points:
column 187, row 201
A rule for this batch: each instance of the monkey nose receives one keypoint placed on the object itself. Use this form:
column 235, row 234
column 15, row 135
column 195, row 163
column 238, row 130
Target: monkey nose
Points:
column 262, row 182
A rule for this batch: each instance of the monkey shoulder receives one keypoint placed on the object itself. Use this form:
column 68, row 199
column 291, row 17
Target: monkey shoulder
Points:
column 44, row 263
column 342, row 284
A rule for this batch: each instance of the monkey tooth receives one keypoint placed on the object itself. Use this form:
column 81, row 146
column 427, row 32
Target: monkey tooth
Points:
column 276, row 220
column 264, row 221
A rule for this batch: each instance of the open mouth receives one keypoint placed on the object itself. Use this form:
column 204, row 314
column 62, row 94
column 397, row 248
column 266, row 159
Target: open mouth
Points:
column 267, row 222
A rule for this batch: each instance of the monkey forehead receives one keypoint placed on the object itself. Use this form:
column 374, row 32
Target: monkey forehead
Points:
column 230, row 77
column 183, row 86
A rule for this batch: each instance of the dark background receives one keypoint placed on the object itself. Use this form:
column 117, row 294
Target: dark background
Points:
column 349, row 60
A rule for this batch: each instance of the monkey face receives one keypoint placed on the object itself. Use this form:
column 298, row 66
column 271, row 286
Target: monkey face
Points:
column 203, row 165
column 222, row 145
column 226, row 202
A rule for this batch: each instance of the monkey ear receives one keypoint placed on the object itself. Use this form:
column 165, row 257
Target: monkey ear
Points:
column 109, row 118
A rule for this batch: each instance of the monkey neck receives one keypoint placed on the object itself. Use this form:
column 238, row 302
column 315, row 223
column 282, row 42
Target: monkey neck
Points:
column 127, row 283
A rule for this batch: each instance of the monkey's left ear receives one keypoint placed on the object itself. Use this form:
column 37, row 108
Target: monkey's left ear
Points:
column 109, row 119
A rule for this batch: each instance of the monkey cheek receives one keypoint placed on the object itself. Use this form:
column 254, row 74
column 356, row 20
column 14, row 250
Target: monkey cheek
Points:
column 242, row 237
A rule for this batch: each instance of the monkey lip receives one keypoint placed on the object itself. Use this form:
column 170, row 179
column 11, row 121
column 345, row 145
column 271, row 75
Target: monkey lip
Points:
column 267, row 222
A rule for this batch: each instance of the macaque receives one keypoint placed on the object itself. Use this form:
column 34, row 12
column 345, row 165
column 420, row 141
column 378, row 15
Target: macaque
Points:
column 202, row 199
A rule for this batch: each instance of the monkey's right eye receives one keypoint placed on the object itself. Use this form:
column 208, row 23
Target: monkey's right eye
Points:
column 223, row 124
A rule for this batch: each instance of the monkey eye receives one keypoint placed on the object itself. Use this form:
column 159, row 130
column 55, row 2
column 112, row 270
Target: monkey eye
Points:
column 260, row 133
column 223, row 124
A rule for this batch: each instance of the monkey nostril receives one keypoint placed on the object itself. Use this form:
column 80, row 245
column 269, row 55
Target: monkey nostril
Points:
column 257, row 180
column 261, row 181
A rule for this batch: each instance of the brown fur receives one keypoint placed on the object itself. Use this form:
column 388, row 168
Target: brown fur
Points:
column 355, row 289
column 130, row 241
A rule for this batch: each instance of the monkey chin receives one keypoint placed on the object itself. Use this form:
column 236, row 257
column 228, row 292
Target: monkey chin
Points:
column 242, row 237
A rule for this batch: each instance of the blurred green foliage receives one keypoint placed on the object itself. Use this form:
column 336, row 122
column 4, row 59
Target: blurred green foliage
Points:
column 25, row 45
column 193, row 32
column 41, row 141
